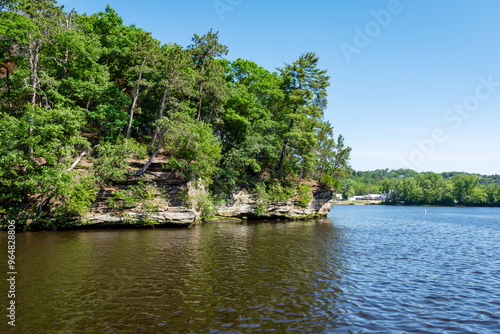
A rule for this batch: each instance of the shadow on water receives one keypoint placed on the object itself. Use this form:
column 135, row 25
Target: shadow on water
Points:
column 224, row 277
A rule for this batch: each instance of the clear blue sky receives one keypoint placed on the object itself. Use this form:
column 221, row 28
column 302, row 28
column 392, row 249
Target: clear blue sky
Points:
column 419, row 88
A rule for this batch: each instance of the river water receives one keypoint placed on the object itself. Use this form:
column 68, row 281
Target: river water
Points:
column 364, row 269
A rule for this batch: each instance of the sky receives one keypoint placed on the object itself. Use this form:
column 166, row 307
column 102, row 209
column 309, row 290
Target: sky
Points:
column 414, row 83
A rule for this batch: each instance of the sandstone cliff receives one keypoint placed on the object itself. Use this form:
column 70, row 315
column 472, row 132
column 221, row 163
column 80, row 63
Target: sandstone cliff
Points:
column 175, row 202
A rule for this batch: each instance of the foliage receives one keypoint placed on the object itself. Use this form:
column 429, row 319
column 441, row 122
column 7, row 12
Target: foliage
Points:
column 111, row 163
column 78, row 198
column 274, row 191
column 305, row 195
column 210, row 84
column 73, row 86
column 204, row 203
column 410, row 187
column 36, row 168
column 193, row 148
column 141, row 196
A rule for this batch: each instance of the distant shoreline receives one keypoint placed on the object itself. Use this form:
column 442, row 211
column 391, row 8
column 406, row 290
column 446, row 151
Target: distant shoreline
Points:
column 370, row 202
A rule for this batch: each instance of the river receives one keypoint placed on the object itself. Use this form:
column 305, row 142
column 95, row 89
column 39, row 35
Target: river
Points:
column 364, row 269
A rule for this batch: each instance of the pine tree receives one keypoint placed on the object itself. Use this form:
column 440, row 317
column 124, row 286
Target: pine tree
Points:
column 211, row 86
column 305, row 90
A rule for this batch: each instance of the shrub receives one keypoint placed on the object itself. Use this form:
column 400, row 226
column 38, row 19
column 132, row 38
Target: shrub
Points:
column 111, row 159
column 304, row 197
column 79, row 197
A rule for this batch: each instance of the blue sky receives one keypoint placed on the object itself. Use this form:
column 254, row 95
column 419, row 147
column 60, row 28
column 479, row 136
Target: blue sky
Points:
column 414, row 84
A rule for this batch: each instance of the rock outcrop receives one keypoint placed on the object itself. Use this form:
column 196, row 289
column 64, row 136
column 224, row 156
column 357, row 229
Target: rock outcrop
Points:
column 246, row 205
column 176, row 203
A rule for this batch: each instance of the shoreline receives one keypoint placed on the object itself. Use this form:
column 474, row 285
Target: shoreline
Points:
column 34, row 227
column 410, row 205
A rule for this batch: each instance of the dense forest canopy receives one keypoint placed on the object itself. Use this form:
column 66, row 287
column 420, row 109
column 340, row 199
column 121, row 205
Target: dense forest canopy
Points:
column 410, row 187
column 87, row 87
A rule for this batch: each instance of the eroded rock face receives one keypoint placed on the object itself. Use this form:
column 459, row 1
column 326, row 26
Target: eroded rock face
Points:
column 170, row 207
column 246, row 205
column 175, row 210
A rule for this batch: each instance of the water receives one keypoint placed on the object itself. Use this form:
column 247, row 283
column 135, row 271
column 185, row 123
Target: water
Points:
column 365, row 269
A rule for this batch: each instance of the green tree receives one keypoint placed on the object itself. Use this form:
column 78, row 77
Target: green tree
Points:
column 212, row 90
column 176, row 80
column 43, row 15
column 464, row 187
column 144, row 51
column 248, row 132
column 304, row 86
column 493, row 194
column 191, row 145
column 46, row 172
column 15, row 31
column 348, row 188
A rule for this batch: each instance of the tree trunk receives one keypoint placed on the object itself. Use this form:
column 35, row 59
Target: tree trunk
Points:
column 77, row 160
column 198, row 115
column 200, row 90
column 160, row 115
column 134, row 100
column 303, row 169
column 145, row 167
column 301, row 174
column 131, row 110
column 282, row 158
column 33, row 54
column 7, row 75
column 66, row 52
column 285, row 145
column 65, row 62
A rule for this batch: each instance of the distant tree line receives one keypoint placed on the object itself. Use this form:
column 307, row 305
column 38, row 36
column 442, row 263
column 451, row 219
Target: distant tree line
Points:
column 407, row 186
column 87, row 87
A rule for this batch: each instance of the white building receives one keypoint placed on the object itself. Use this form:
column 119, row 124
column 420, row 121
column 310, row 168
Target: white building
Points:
column 372, row 197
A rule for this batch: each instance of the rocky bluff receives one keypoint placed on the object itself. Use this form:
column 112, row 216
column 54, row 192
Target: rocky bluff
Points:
column 171, row 200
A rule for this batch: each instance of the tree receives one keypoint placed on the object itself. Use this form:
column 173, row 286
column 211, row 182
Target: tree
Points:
column 205, row 51
column 348, row 188
column 144, row 52
column 46, row 172
column 493, row 194
column 79, row 78
column 175, row 78
column 43, row 14
column 15, row 30
column 463, row 188
column 248, row 134
column 305, row 95
column 192, row 147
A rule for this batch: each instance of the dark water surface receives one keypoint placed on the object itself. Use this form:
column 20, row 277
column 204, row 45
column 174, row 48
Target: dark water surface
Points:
column 365, row 269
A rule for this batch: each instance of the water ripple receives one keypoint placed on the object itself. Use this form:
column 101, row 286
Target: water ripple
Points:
column 364, row 270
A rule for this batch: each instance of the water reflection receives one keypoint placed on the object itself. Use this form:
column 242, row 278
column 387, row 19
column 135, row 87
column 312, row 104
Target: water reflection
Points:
column 372, row 270
column 239, row 277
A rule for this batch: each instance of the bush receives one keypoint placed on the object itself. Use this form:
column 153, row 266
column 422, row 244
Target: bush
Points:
column 304, row 197
column 195, row 150
column 78, row 198
column 111, row 159
column 145, row 194
column 205, row 204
